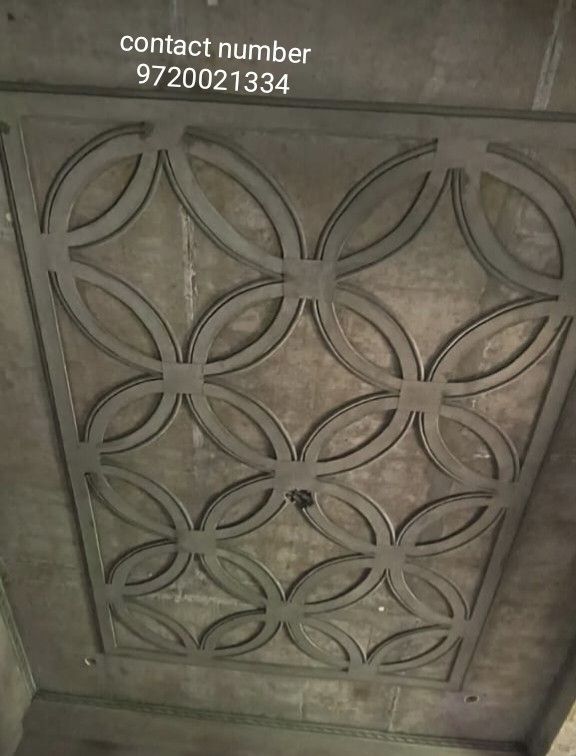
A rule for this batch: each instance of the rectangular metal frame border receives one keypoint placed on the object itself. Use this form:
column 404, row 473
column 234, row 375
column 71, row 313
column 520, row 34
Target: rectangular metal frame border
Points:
column 362, row 120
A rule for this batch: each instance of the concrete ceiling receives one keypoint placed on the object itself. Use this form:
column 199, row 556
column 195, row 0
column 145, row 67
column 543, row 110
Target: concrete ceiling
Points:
column 248, row 484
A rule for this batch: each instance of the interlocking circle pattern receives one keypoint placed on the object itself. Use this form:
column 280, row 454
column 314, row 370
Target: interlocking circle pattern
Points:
column 410, row 396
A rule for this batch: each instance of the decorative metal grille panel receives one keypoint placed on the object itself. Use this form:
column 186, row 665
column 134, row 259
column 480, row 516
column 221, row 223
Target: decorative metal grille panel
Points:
column 411, row 395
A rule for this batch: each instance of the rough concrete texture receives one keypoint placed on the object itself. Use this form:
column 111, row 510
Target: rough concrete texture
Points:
column 443, row 52
column 459, row 53
column 563, row 744
column 15, row 692
column 130, row 733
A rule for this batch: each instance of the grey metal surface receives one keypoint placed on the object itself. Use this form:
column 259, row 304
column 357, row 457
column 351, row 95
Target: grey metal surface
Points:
column 413, row 396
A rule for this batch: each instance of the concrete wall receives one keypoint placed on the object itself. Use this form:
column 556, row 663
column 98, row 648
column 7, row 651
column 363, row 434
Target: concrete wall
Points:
column 15, row 692
column 499, row 53
column 564, row 743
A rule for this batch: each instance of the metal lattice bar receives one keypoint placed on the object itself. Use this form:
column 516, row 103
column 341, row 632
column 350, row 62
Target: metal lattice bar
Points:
column 162, row 136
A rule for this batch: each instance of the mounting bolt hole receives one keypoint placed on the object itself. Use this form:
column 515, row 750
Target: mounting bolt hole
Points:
column 471, row 699
column 90, row 661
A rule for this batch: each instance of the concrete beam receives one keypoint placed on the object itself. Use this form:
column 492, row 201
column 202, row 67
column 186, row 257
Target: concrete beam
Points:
column 73, row 725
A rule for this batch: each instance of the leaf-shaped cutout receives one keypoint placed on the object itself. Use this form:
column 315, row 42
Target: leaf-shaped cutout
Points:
column 515, row 406
column 384, row 180
column 91, row 370
column 336, row 582
column 66, row 138
column 242, row 426
column 227, row 310
column 392, row 330
column 117, row 318
column 280, row 646
column 499, row 448
column 103, row 191
column 346, row 517
column 428, row 594
column 255, row 413
column 408, row 646
column 386, row 216
column 459, row 523
column 241, row 331
column 327, row 644
column 134, row 504
column 233, row 635
column 337, row 648
column 510, row 343
column 241, row 575
column 388, row 434
column 131, row 416
column 117, row 533
column 153, row 623
column 245, row 508
column 156, row 422
column 153, row 626
column 521, row 226
column 356, row 435
column 76, row 172
column 368, row 340
column 154, row 566
column 131, row 576
column 240, row 208
column 235, row 163
column 449, row 523
column 537, row 327
column 468, row 447
column 501, row 349
column 464, row 566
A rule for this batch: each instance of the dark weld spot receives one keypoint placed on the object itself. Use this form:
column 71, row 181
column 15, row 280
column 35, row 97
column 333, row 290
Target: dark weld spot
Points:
column 300, row 497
